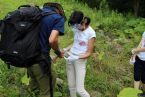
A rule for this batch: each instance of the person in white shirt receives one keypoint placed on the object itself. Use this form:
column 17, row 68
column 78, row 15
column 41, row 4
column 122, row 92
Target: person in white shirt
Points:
column 78, row 52
column 139, row 65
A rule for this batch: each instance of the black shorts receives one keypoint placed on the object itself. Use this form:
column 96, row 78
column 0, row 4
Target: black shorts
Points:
column 139, row 70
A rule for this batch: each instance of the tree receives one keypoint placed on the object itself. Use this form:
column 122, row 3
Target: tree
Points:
column 136, row 7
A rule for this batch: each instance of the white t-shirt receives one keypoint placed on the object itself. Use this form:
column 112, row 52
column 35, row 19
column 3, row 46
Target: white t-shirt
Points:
column 141, row 55
column 81, row 39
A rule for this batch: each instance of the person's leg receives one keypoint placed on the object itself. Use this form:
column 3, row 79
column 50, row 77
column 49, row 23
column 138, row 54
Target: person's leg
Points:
column 42, row 79
column 71, row 79
column 143, row 90
column 143, row 86
column 137, row 73
column 143, row 75
column 54, row 76
column 142, row 79
column 33, row 84
column 136, row 84
column 80, row 67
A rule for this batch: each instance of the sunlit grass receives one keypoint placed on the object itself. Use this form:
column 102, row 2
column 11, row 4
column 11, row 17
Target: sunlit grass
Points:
column 108, row 71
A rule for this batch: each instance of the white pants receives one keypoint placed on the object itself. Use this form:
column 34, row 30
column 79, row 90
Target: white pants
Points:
column 76, row 72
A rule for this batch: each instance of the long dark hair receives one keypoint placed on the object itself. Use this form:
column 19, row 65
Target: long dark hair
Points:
column 75, row 18
column 87, row 20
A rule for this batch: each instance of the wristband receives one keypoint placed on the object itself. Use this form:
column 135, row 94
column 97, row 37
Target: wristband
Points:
column 57, row 52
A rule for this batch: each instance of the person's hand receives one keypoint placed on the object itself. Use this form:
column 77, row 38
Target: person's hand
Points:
column 132, row 59
column 134, row 51
column 65, row 50
column 71, row 58
column 61, row 54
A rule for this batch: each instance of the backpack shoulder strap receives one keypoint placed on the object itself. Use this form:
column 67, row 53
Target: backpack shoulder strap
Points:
column 1, row 26
column 42, row 14
column 47, row 13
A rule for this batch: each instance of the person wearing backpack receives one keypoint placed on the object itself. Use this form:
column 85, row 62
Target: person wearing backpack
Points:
column 139, row 66
column 52, row 27
column 27, row 35
column 76, row 55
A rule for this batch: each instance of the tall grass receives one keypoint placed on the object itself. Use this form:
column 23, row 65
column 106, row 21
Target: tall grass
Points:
column 108, row 70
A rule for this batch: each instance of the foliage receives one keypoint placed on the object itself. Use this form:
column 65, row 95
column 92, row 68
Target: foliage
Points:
column 129, row 92
column 122, row 6
column 91, row 3
column 108, row 71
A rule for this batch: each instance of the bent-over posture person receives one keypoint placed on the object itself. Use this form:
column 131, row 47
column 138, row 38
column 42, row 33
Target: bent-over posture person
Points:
column 51, row 27
column 77, row 54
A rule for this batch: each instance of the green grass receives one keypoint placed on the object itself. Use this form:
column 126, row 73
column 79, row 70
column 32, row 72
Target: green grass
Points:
column 108, row 69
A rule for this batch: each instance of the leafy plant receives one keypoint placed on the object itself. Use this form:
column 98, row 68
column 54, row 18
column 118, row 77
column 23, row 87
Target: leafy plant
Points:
column 129, row 92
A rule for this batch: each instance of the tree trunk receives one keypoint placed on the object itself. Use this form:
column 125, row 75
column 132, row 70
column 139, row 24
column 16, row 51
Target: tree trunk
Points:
column 136, row 7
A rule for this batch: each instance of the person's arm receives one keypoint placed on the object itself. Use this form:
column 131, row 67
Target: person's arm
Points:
column 90, row 48
column 139, row 46
column 58, row 30
column 138, row 49
column 53, row 41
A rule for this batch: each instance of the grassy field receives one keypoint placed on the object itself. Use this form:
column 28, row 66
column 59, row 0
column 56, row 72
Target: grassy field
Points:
column 108, row 69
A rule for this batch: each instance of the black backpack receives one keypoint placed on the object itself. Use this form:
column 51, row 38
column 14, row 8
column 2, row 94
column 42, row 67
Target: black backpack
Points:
column 19, row 40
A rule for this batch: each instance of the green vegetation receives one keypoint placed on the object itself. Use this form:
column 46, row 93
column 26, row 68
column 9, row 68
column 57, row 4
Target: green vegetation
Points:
column 129, row 92
column 108, row 69
column 134, row 6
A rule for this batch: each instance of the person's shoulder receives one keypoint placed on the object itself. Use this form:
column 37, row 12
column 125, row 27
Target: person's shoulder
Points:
column 54, row 15
column 50, row 13
column 91, row 30
column 143, row 34
column 53, row 18
column 58, row 18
